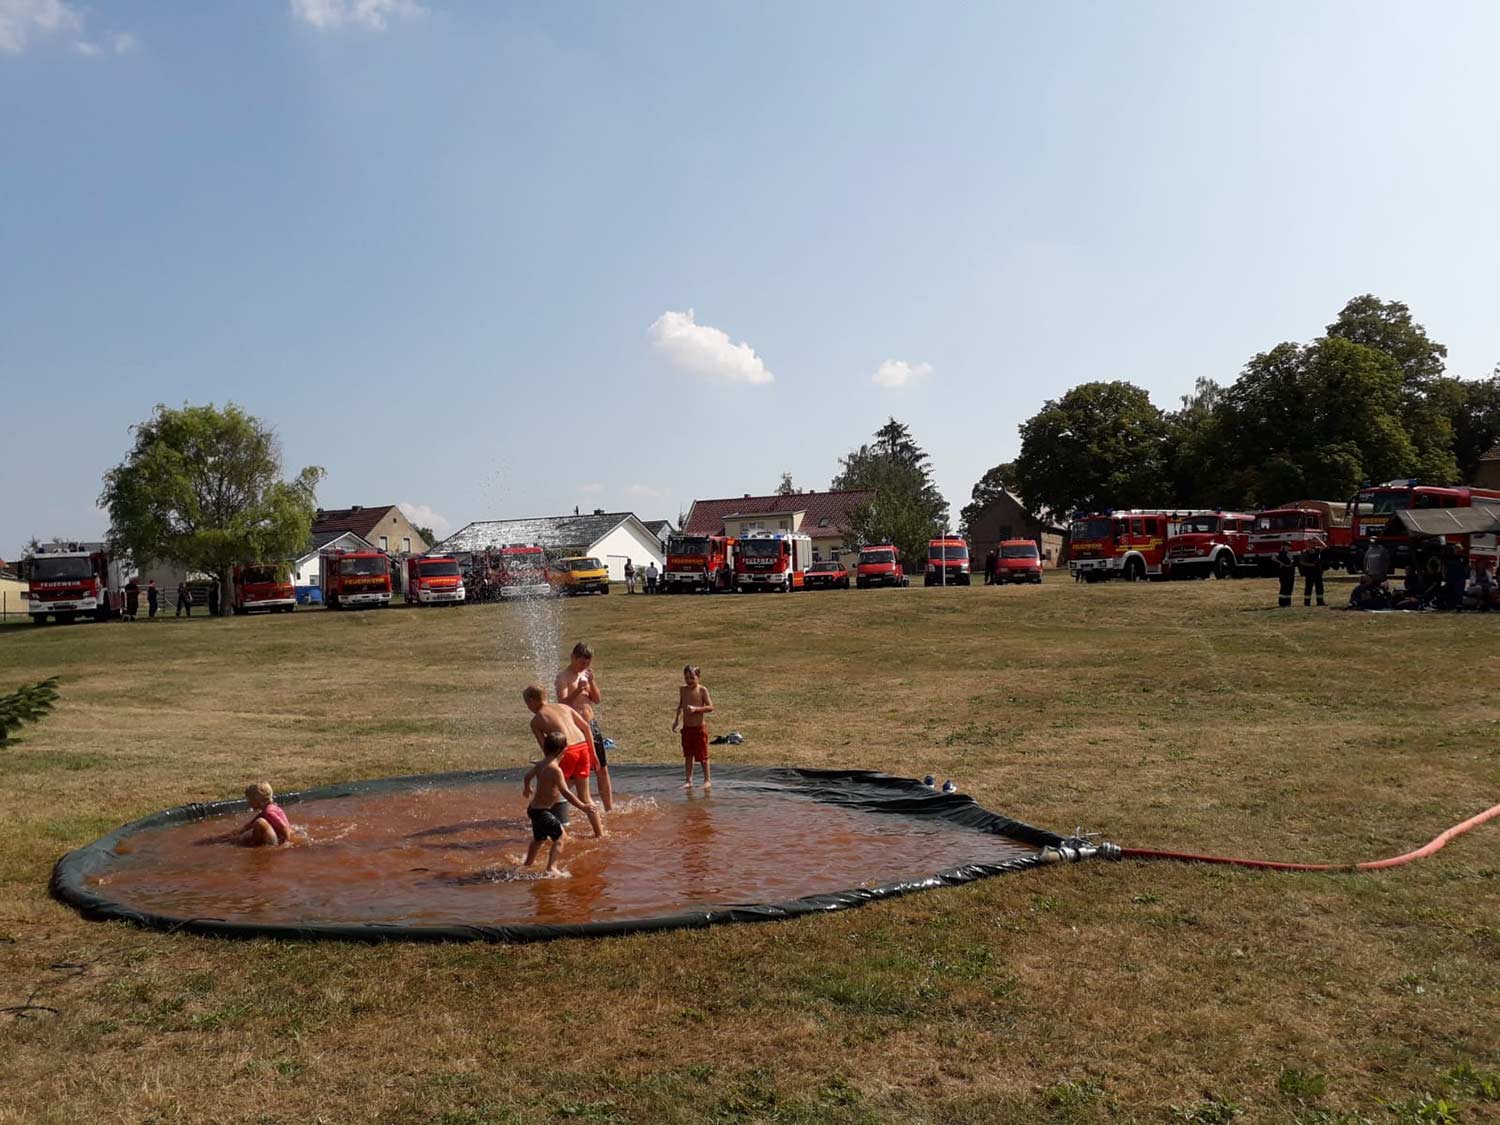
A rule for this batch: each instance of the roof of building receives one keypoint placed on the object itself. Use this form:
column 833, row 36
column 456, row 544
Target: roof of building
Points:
column 360, row 520
column 321, row 539
column 656, row 527
column 706, row 517
column 552, row 532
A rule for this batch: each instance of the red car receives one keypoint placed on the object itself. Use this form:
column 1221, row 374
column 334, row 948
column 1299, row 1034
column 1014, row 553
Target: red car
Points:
column 828, row 576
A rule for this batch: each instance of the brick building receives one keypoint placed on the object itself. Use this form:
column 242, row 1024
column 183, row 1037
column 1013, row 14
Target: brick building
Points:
column 822, row 516
column 386, row 528
column 1006, row 517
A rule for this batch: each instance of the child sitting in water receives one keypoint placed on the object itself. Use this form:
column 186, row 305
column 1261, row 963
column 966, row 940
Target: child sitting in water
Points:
column 548, row 807
column 693, row 703
column 269, row 827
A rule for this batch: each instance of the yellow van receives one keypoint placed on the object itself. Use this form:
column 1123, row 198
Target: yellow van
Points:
column 583, row 575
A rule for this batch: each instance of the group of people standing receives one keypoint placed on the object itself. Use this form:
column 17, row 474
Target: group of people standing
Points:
column 650, row 576
column 1445, row 580
column 129, row 600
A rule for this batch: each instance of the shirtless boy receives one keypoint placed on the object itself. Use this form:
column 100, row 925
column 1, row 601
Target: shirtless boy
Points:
column 693, row 703
column 266, row 829
column 577, row 759
column 551, row 793
column 576, row 687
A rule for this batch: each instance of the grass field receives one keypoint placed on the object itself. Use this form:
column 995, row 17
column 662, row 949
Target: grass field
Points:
column 1179, row 715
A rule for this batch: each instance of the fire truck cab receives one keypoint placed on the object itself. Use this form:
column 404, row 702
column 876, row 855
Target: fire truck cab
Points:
column 766, row 560
column 351, row 579
column 264, row 586
column 1209, row 544
column 699, row 562
column 70, row 580
column 523, row 572
column 434, row 580
column 1120, row 544
column 1372, row 507
column 1298, row 525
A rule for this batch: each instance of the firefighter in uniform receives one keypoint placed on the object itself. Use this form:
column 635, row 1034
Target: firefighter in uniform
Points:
column 1287, row 571
column 1310, row 563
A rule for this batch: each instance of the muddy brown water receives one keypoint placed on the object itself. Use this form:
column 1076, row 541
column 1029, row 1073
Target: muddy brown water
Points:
column 452, row 855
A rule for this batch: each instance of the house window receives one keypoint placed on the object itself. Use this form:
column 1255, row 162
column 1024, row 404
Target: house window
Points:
column 781, row 524
column 817, row 555
column 823, row 522
column 313, row 581
column 406, row 544
column 382, row 543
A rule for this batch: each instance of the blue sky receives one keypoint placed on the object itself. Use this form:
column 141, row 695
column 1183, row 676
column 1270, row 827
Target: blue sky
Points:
column 449, row 249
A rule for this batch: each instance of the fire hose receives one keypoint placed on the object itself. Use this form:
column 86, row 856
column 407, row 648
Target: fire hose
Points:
column 1080, row 846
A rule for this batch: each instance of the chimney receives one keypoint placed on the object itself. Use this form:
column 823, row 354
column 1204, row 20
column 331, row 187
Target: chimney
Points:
column 747, row 496
column 357, row 508
column 598, row 511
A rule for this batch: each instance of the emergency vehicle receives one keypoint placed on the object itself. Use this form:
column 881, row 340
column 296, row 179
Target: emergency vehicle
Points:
column 261, row 586
column 947, row 562
column 699, row 562
column 71, row 580
column 434, row 580
column 1300, row 524
column 522, row 571
column 879, row 565
column 350, row 579
column 1129, row 544
column 1018, row 560
column 1209, row 543
column 767, row 560
column 1373, row 504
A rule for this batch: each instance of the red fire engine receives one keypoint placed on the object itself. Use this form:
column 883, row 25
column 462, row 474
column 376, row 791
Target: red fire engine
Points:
column 699, row 562
column 71, row 580
column 1300, row 524
column 1373, row 505
column 261, row 586
column 947, row 562
column 766, row 560
column 1210, row 543
column 434, row 580
column 1122, row 544
column 350, row 579
column 521, row 571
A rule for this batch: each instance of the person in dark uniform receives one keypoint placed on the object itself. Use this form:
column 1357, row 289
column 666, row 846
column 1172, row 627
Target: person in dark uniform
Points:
column 213, row 598
column 989, row 568
column 1287, row 570
column 152, row 598
column 132, row 599
column 1310, row 563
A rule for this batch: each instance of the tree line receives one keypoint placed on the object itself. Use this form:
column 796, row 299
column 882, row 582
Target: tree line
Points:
column 1368, row 400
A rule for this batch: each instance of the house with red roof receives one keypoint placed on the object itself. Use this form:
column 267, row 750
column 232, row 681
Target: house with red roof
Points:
column 822, row 516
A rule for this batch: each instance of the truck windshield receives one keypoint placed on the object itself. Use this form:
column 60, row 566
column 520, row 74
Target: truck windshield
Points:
column 867, row 557
column 445, row 569
column 1022, row 551
column 258, row 574
column 1198, row 525
column 696, row 545
column 760, row 548
column 820, row 567
column 948, row 551
column 1091, row 529
column 1383, row 503
column 362, row 568
column 584, row 564
column 1281, row 521
column 54, row 568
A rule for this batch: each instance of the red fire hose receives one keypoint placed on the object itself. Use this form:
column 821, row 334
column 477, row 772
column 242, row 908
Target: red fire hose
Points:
column 1373, row 865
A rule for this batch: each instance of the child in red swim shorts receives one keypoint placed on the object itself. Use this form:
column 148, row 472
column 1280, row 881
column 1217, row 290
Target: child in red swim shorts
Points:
column 693, row 703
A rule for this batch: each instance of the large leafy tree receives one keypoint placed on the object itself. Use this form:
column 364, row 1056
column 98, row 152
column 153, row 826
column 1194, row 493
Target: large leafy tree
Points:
column 1101, row 445
column 1471, row 408
column 1195, row 449
column 987, row 489
column 1387, row 327
column 202, row 487
column 907, row 509
column 786, row 487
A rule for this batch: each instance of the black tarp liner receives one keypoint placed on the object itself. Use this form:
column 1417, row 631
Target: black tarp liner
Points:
column 864, row 789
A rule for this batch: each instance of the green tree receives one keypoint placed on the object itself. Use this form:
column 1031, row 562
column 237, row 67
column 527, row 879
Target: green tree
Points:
column 202, row 487
column 786, row 487
column 1387, row 327
column 428, row 535
column 907, row 509
column 1101, row 445
column 986, row 491
column 1471, row 408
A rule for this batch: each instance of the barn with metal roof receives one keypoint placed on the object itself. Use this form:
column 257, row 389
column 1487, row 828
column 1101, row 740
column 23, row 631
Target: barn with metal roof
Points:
column 611, row 537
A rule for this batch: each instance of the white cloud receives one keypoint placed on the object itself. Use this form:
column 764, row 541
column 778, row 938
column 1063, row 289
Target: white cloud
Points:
column 593, row 488
column 423, row 516
column 21, row 19
column 373, row 14
column 899, row 373
column 704, row 351
column 123, row 42
column 646, row 492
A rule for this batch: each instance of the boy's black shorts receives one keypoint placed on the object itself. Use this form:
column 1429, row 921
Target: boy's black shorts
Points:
column 544, row 824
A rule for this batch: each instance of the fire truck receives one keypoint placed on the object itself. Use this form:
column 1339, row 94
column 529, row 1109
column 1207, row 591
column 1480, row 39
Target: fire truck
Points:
column 699, row 562
column 521, row 571
column 1299, row 524
column 1130, row 544
column 1373, row 505
column 350, row 579
column 767, row 560
column 71, row 580
column 261, row 586
column 434, row 580
column 1210, row 543
column 947, row 562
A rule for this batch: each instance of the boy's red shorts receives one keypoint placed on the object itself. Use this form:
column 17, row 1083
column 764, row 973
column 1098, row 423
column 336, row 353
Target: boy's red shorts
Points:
column 695, row 743
column 576, row 761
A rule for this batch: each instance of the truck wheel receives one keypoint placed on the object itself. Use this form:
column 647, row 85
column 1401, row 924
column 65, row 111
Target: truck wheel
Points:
column 39, row 619
column 64, row 618
column 1224, row 565
column 1134, row 571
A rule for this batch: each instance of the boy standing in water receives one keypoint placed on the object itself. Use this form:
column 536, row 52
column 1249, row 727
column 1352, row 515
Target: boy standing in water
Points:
column 693, row 703
column 576, row 687
column 577, row 758
column 551, row 793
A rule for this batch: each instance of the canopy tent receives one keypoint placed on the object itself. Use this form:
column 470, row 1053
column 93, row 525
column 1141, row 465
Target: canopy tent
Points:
column 1428, row 523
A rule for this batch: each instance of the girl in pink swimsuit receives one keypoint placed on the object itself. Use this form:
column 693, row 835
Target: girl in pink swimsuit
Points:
column 269, row 826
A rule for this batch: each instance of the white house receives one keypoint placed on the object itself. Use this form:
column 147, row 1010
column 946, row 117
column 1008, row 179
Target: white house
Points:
column 611, row 537
column 305, row 569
